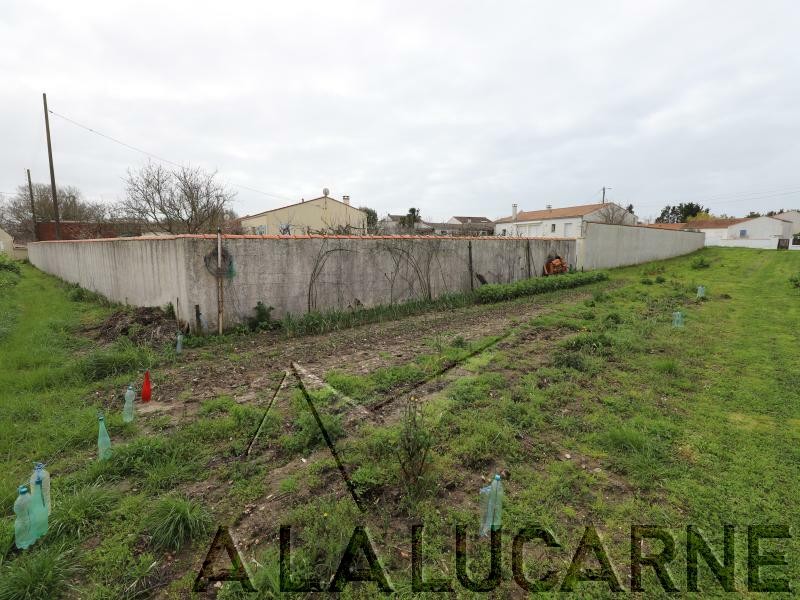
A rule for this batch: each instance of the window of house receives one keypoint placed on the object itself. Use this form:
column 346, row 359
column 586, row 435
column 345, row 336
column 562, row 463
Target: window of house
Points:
column 743, row 233
column 553, row 228
column 504, row 232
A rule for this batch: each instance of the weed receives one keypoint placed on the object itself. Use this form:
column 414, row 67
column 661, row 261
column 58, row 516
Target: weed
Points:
column 667, row 366
column 795, row 280
column 646, row 281
column 9, row 264
column 123, row 357
column 612, row 319
column 699, row 262
column 175, row 521
column 79, row 513
column 458, row 342
column 414, row 446
column 594, row 343
column 661, row 279
column 307, row 434
column 38, row 574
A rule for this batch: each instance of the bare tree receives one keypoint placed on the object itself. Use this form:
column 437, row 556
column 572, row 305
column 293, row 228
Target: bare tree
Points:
column 181, row 200
column 613, row 214
column 16, row 218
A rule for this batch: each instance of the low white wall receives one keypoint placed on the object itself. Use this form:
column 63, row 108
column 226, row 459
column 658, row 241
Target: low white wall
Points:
column 605, row 246
column 768, row 244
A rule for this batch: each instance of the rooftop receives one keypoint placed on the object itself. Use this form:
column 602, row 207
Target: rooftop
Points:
column 555, row 213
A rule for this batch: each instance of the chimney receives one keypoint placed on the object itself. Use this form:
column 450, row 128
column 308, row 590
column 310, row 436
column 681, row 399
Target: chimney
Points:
column 514, row 212
column 346, row 200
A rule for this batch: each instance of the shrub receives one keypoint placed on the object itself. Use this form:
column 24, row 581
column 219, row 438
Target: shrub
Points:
column 646, row 281
column 661, row 279
column 8, row 264
column 175, row 521
column 263, row 321
column 498, row 292
column 795, row 280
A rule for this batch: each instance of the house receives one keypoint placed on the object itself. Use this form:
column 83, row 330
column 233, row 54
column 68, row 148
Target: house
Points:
column 761, row 229
column 561, row 222
column 715, row 229
column 472, row 226
column 320, row 215
column 794, row 217
column 391, row 224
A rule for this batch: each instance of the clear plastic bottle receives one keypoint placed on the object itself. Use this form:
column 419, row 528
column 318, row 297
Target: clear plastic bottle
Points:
column 492, row 506
column 23, row 533
column 127, row 411
column 179, row 343
column 38, row 511
column 39, row 472
column 103, row 441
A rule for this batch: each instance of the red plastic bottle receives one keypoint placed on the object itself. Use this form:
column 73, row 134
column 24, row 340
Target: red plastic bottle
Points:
column 146, row 389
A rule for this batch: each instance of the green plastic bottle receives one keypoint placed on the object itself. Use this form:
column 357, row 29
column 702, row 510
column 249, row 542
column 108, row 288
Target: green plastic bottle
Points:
column 127, row 410
column 492, row 506
column 38, row 511
column 103, row 441
column 23, row 533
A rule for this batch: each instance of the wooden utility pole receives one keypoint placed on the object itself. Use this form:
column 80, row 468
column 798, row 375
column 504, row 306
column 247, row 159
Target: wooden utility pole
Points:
column 52, row 172
column 220, row 293
column 33, row 206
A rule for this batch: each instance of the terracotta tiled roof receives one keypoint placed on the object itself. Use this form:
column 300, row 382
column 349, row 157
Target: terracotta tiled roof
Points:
column 555, row 213
column 472, row 219
column 700, row 224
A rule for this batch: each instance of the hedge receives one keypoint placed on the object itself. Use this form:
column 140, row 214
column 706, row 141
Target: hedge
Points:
column 497, row 292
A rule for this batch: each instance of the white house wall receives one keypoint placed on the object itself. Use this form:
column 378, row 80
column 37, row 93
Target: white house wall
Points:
column 564, row 228
column 761, row 228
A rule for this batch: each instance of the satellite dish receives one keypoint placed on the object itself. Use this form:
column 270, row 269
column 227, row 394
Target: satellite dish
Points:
column 325, row 191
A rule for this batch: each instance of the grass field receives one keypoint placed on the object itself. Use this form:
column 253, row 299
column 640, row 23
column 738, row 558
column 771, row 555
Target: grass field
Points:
column 599, row 411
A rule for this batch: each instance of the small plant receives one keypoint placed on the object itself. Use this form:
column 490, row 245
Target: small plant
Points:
column 795, row 280
column 612, row 319
column 591, row 342
column 169, row 310
column 700, row 263
column 661, row 279
column 646, row 281
column 667, row 366
column 414, row 446
column 175, row 521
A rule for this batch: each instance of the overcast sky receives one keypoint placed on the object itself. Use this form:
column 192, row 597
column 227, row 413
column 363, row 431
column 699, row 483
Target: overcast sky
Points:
column 453, row 107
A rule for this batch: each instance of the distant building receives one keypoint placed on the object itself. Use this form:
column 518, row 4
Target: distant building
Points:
column 391, row 224
column 472, row 226
column 319, row 215
column 561, row 222
column 758, row 232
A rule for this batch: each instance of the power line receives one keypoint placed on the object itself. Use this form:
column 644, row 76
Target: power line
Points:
column 156, row 157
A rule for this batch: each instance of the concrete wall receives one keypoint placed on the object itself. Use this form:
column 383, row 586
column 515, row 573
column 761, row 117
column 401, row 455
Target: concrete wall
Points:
column 605, row 246
column 292, row 274
column 138, row 271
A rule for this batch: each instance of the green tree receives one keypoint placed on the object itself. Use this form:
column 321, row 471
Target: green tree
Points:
column 372, row 218
column 679, row 213
column 408, row 221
